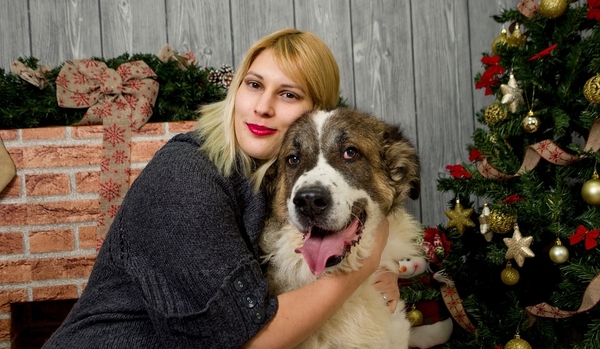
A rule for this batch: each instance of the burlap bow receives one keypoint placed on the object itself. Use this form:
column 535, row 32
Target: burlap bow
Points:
column 36, row 77
column 120, row 100
column 166, row 53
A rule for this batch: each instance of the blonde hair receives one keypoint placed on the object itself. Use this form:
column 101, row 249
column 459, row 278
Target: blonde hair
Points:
column 304, row 58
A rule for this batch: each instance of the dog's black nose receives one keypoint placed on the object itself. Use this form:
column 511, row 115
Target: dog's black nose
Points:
column 312, row 201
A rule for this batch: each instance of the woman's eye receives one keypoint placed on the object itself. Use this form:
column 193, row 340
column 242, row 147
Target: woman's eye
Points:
column 351, row 153
column 293, row 160
column 290, row 95
column 254, row 84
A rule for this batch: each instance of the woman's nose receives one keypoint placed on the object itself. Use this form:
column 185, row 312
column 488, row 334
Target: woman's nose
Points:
column 264, row 105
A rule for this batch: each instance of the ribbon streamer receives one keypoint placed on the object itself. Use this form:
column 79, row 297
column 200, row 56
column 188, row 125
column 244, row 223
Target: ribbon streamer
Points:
column 591, row 297
column 166, row 53
column 36, row 77
column 546, row 149
column 455, row 307
column 120, row 100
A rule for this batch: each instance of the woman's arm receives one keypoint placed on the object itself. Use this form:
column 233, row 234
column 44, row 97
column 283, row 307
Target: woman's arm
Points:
column 304, row 310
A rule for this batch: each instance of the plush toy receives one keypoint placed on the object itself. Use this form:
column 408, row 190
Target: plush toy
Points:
column 432, row 324
column 7, row 167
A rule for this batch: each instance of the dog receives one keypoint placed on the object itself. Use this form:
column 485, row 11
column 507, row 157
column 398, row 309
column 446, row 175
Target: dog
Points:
column 338, row 174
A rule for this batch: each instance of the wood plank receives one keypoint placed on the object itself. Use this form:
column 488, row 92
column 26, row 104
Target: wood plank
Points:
column 14, row 26
column 443, row 95
column 253, row 20
column 63, row 30
column 383, row 67
column 330, row 20
column 203, row 27
column 132, row 26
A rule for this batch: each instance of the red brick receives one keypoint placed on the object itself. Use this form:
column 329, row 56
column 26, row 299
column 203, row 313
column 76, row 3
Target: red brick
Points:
column 181, row 126
column 13, row 214
column 8, row 135
column 87, row 181
column 134, row 173
column 62, row 155
column 15, row 271
column 13, row 189
column 152, row 128
column 87, row 237
column 16, row 155
column 11, row 296
column 47, row 184
column 42, row 133
column 54, row 292
column 87, row 132
column 62, row 268
column 11, row 243
column 4, row 329
column 51, row 241
column 62, row 212
column 143, row 151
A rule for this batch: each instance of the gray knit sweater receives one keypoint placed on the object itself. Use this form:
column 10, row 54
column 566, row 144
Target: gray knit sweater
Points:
column 180, row 265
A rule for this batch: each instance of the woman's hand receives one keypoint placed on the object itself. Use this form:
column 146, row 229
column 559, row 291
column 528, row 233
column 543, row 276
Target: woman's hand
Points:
column 386, row 282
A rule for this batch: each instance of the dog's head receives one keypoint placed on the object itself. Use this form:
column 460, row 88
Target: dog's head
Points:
column 339, row 173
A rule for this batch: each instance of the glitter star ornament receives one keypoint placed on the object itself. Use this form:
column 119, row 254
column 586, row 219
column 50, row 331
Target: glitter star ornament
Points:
column 512, row 94
column 518, row 247
column 460, row 218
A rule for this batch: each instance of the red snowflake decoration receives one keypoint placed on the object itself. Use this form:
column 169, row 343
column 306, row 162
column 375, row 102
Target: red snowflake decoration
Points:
column 114, row 135
column 110, row 190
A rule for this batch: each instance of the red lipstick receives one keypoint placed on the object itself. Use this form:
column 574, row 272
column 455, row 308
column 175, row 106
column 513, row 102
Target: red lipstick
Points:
column 259, row 130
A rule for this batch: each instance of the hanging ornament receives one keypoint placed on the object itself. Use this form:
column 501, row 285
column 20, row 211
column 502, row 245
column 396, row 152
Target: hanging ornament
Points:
column 590, row 191
column 518, row 247
column 510, row 276
column 513, row 95
column 460, row 218
column 414, row 316
column 499, row 222
column 517, row 38
column 494, row 113
column 484, row 227
column 559, row 253
column 517, row 343
column 531, row 123
column 591, row 89
column 553, row 8
column 502, row 39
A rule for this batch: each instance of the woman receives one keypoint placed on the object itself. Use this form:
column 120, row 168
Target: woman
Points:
column 180, row 266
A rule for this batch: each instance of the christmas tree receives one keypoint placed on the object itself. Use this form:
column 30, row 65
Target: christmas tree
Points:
column 525, row 218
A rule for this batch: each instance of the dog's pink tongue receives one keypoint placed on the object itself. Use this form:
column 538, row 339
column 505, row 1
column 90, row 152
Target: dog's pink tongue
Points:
column 318, row 249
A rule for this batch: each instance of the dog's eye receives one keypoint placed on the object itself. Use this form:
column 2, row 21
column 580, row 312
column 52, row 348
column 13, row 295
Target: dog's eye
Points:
column 293, row 160
column 351, row 153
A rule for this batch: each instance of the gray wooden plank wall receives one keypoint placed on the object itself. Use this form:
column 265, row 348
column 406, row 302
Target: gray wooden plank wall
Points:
column 410, row 62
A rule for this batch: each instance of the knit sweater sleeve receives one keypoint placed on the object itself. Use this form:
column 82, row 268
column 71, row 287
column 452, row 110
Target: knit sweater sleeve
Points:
column 187, row 237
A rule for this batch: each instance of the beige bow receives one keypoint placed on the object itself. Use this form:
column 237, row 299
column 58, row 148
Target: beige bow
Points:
column 36, row 77
column 166, row 53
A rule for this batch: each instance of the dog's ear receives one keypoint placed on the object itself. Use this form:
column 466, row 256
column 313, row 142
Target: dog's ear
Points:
column 402, row 160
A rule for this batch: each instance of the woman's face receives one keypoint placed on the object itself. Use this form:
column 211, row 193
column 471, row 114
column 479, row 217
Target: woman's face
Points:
column 266, row 104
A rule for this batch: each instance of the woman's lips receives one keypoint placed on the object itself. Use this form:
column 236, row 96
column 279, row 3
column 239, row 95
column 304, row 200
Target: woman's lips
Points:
column 259, row 130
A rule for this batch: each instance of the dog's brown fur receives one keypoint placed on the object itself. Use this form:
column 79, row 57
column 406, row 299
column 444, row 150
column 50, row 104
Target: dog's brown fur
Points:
column 333, row 167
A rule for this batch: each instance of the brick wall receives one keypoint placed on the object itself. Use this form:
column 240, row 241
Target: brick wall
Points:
column 48, row 212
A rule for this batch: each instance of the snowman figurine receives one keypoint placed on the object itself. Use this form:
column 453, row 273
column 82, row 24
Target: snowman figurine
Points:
column 436, row 325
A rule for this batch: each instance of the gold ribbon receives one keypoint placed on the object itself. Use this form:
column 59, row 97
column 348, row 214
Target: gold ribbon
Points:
column 166, row 53
column 547, row 150
column 120, row 100
column 36, row 77
column 591, row 297
column 455, row 307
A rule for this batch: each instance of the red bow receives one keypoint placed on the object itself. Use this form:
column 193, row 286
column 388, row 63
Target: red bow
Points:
column 475, row 155
column 593, row 9
column 589, row 235
column 458, row 171
column 543, row 53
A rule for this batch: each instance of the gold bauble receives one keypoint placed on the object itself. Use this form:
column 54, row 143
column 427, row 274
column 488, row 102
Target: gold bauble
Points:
column 553, row 8
column 531, row 123
column 559, row 253
column 517, row 38
column 591, row 89
column 517, row 343
column 500, row 223
column 590, row 191
column 510, row 276
column 502, row 39
column 494, row 113
column 414, row 316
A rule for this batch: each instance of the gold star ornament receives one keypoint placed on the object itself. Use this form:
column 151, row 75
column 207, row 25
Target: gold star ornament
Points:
column 518, row 247
column 512, row 94
column 460, row 218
